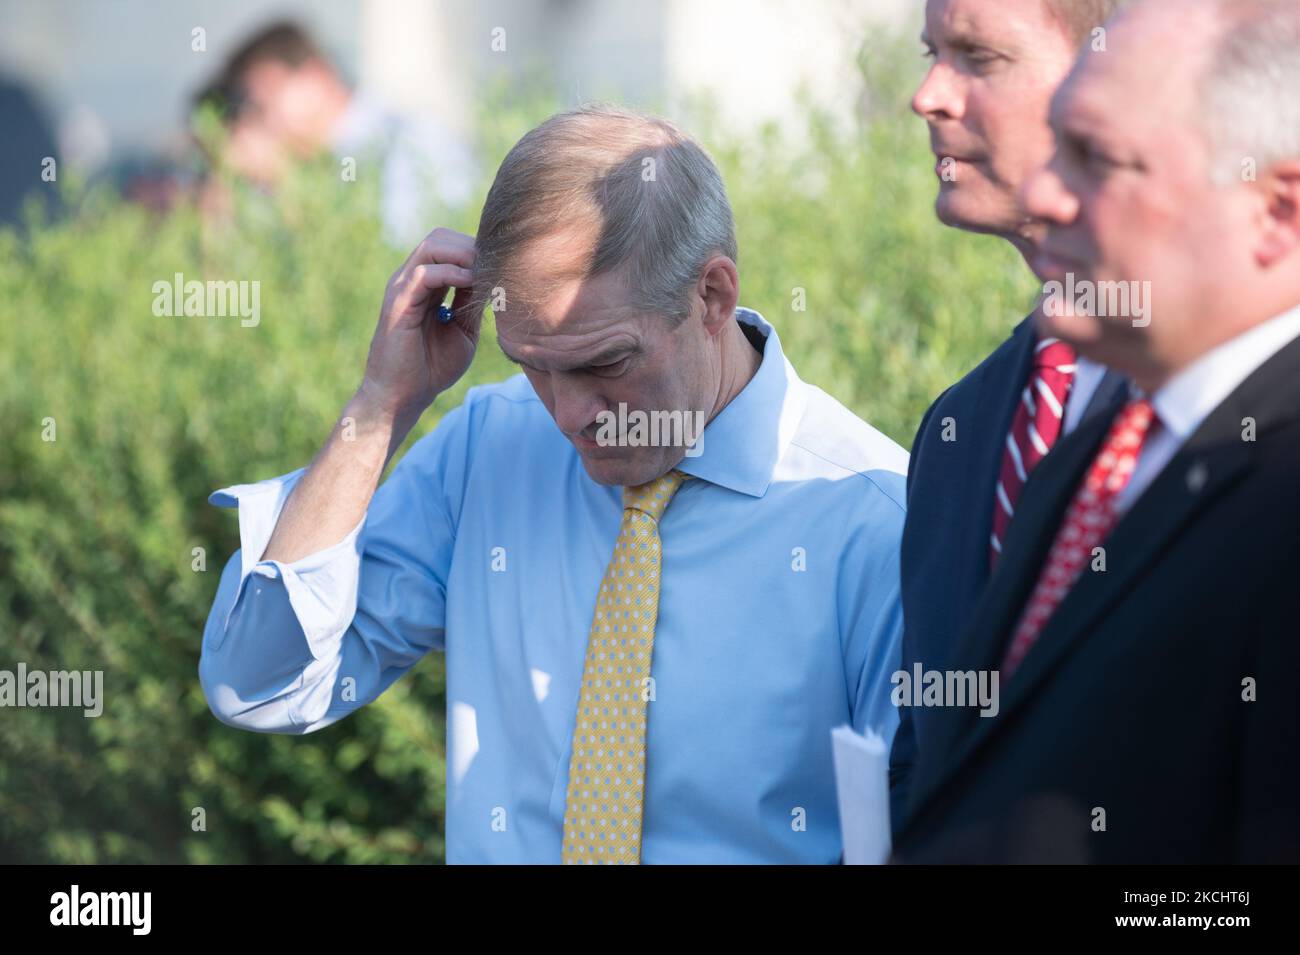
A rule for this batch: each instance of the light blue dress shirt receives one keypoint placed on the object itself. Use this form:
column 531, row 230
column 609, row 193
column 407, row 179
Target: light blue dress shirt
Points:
column 779, row 617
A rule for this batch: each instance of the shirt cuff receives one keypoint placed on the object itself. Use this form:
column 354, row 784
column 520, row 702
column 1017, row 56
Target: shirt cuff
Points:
column 321, row 587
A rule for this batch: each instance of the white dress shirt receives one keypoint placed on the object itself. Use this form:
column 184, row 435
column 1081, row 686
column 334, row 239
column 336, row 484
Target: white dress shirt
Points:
column 1087, row 376
column 1187, row 399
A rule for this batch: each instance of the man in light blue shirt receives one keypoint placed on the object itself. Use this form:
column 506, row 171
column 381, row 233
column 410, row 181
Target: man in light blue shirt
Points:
column 778, row 611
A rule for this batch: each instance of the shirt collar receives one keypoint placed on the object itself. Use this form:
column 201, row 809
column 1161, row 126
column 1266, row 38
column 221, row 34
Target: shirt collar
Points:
column 1187, row 399
column 740, row 448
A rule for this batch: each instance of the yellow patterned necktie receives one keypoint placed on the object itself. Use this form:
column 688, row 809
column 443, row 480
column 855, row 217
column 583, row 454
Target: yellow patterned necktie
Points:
column 602, row 812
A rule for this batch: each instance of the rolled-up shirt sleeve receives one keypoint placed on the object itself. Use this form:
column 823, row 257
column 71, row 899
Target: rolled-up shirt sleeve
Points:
column 295, row 647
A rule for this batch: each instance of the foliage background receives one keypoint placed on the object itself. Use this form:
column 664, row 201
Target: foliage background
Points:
column 98, row 527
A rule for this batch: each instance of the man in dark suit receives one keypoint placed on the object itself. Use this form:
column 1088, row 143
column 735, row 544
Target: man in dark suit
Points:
column 1144, row 617
column 985, row 99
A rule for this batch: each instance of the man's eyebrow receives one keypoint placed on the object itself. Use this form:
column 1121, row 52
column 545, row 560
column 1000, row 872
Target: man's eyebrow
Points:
column 960, row 36
column 969, row 41
column 610, row 355
column 606, row 356
column 1067, row 116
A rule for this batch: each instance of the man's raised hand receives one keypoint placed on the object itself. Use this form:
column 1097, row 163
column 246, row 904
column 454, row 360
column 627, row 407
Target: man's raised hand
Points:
column 413, row 356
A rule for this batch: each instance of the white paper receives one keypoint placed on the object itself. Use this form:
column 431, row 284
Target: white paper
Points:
column 862, row 785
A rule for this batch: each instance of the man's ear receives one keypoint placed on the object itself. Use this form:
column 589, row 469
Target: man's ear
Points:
column 1280, row 186
column 719, row 287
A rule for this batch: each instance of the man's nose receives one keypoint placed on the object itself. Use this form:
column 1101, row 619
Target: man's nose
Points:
column 1044, row 196
column 941, row 95
column 576, row 405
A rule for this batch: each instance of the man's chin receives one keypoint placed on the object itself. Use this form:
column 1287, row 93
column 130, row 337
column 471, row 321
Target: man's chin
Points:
column 614, row 471
column 1078, row 329
column 622, row 470
column 958, row 207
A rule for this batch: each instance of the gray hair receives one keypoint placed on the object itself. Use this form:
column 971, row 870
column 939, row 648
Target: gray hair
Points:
column 1251, row 87
column 651, row 190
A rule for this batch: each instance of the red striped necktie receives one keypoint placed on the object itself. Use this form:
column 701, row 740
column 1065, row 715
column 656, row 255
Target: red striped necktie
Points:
column 1088, row 521
column 1034, row 429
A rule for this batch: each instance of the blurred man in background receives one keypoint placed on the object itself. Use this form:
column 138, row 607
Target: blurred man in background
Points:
column 284, row 102
column 1144, row 620
column 28, row 155
column 995, row 65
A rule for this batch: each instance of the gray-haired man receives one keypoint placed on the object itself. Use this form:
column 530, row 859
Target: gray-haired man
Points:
column 671, row 702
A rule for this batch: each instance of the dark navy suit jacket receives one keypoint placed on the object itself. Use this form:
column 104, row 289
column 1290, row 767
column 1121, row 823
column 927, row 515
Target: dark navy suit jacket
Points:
column 1139, row 728
column 950, row 495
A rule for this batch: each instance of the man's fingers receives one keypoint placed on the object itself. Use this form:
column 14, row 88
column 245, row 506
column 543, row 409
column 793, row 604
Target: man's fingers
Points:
column 443, row 245
column 442, row 275
column 425, row 281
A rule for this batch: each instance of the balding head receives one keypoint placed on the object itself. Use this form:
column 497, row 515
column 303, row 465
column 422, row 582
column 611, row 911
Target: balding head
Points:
column 1137, row 193
column 599, row 189
column 606, row 251
column 1250, row 89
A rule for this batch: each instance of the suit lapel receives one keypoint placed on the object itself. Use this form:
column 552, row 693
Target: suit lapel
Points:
column 980, row 643
column 1000, row 397
column 1038, row 513
column 1209, row 462
column 1112, row 388
column 1190, row 482
column 987, row 447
